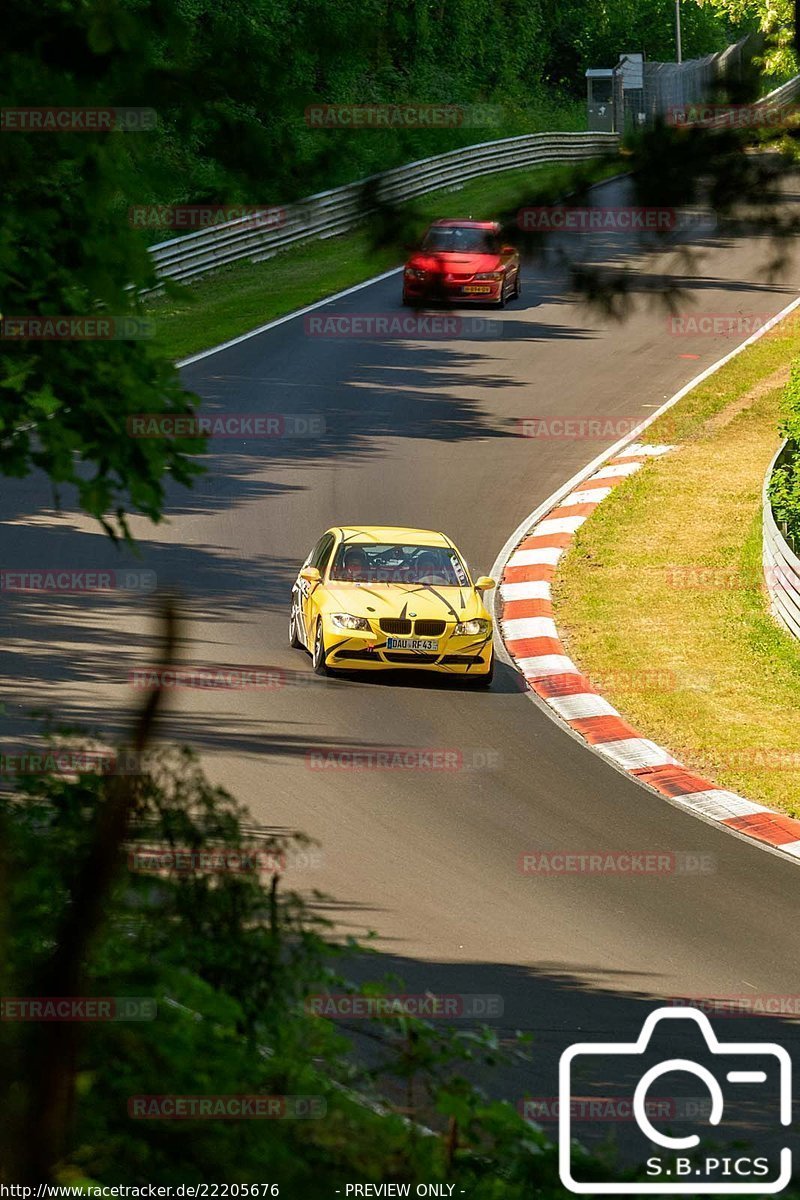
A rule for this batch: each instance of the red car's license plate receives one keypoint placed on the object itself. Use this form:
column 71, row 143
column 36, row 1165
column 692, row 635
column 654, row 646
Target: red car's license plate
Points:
column 481, row 288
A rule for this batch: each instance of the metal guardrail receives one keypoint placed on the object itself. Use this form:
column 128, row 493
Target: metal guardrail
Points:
column 780, row 95
column 781, row 564
column 336, row 211
column 328, row 213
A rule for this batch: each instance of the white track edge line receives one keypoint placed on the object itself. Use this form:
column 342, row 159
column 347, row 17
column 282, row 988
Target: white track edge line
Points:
column 580, row 477
column 298, row 312
column 357, row 287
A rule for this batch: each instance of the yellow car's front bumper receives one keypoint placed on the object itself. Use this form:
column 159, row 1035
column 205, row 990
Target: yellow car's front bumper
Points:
column 357, row 651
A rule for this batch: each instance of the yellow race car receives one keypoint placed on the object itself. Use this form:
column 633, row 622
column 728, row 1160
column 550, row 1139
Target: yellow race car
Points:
column 378, row 598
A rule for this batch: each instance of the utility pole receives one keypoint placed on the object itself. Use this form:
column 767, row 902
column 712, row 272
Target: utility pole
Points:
column 679, row 56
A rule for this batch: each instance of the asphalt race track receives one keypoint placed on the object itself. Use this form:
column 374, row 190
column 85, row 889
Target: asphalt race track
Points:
column 424, row 432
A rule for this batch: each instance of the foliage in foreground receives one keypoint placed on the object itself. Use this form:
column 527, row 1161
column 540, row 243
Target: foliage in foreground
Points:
column 229, row 959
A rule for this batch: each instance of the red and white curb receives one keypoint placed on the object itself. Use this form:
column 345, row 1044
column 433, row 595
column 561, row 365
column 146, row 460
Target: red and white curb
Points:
column 532, row 641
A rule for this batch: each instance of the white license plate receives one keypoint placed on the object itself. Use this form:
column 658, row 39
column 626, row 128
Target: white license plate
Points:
column 410, row 644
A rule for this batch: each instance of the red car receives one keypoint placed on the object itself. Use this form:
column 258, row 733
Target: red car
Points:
column 462, row 261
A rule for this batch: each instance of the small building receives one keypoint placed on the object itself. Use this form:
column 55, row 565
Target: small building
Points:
column 600, row 99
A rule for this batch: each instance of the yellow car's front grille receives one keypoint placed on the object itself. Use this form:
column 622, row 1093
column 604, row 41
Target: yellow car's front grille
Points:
column 395, row 625
column 429, row 628
column 401, row 626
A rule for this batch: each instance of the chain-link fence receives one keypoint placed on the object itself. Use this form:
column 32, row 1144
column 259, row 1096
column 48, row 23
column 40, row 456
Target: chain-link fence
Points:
column 669, row 86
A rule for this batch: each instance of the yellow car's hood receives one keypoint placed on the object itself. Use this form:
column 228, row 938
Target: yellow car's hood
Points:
column 426, row 601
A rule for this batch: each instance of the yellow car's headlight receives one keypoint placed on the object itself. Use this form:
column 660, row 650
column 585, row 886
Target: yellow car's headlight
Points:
column 477, row 627
column 345, row 621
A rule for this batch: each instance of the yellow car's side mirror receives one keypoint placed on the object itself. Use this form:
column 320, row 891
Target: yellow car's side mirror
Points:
column 484, row 584
column 310, row 574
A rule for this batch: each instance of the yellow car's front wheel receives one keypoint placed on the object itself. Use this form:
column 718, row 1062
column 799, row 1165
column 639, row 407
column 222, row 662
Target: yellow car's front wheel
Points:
column 294, row 636
column 318, row 652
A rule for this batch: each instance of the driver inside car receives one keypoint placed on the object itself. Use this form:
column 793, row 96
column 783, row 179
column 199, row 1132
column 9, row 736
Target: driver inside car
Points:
column 428, row 568
column 355, row 566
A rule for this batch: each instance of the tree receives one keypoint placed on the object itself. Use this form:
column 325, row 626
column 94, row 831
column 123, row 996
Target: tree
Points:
column 776, row 18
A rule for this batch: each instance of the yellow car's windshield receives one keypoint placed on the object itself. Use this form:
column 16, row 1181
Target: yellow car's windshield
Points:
column 384, row 563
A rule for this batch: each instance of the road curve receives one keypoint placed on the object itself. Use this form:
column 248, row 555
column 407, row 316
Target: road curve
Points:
column 423, row 432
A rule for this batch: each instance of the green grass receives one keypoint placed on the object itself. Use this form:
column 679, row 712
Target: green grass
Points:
column 243, row 296
column 666, row 577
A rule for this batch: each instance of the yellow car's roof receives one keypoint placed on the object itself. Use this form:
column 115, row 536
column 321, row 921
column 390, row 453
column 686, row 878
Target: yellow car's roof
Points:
column 391, row 533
